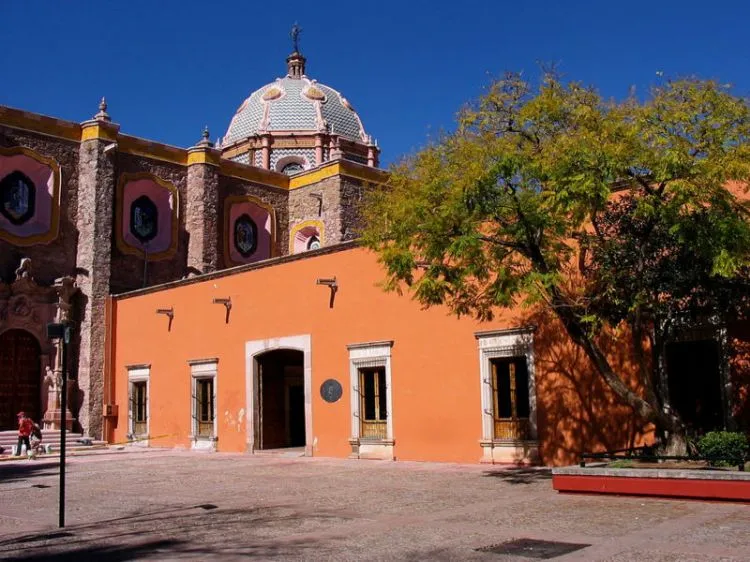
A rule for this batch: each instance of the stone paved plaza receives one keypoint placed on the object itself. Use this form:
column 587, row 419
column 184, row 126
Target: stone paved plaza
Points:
column 175, row 505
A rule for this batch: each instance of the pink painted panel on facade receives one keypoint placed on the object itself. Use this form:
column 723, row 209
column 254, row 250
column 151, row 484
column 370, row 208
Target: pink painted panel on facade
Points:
column 165, row 205
column 262, row 219
column 44, row 185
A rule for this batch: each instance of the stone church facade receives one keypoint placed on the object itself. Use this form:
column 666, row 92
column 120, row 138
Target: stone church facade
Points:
column 87, row 211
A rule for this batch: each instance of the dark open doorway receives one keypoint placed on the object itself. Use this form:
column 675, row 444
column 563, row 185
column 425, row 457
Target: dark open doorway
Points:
column 695, row 381
column 281, row 392
column 20, row 377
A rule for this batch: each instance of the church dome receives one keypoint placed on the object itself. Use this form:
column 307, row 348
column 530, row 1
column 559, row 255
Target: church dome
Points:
column 296, row 123
column 295, row 104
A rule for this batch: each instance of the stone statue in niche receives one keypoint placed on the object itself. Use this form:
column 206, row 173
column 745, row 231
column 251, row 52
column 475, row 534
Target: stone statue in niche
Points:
column 53, row 379
column 65, row 288
column 24, row 269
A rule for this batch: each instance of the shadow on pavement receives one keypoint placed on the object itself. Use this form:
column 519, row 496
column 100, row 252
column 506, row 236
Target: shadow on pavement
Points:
column 195, row 532
column 27, row 469
column 521, row 475
column 109, row 553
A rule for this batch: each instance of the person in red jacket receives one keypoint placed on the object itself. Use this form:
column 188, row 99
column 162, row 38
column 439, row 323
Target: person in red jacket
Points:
column 25, row 426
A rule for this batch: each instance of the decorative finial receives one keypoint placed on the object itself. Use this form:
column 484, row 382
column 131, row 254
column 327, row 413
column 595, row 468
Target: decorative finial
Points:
column 102, row 115
column 205, row 141
column 296, row 30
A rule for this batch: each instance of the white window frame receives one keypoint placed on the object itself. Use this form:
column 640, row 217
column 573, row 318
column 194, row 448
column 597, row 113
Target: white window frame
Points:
column 136, row 374
column 516, row 342
column 370, row 354
column 203, row 369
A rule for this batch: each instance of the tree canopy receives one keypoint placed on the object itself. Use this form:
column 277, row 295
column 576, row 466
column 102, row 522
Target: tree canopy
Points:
column 610, row 213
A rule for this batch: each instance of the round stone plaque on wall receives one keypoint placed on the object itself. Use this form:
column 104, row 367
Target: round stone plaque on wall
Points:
column 331, row 390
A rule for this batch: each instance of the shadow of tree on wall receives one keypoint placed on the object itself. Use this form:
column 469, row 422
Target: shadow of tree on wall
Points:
column 739, row 372
column 193, row 532
column 576, row 411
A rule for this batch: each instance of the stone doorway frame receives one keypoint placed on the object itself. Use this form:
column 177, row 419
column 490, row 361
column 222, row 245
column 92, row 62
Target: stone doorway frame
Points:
column 26, row 305
column 256, row 348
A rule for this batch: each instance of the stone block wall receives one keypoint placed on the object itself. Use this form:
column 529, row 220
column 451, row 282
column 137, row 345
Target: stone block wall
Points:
column 276, row 198
column 128, row 269
column 202, row 217
column 304, row 205
column 339, row 210
column 351, row 195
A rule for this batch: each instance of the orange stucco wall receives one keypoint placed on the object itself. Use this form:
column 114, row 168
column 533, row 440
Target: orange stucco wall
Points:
column 435, row 362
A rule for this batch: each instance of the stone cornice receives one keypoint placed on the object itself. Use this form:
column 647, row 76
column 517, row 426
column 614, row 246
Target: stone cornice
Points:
column 97, row 129
column 36, row 123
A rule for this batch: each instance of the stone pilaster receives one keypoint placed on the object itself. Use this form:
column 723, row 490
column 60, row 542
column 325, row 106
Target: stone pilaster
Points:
column 202, row 212
column 96, row 188
column 265, row 139
column 318, row 149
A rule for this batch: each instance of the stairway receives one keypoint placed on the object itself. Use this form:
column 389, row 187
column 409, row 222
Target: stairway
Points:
column 9, row 439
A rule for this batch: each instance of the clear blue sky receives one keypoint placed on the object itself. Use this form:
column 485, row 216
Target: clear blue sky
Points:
column 168, row 67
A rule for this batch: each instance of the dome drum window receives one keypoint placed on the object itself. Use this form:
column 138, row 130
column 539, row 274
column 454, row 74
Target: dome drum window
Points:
column 292, row 168
column 292, row 164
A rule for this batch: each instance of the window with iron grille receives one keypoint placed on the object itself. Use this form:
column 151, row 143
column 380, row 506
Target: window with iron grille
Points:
column 138, row 386
column 373, row 411
column 510, row 394
column 139, row 408
column 204, row 406
column 371, row 397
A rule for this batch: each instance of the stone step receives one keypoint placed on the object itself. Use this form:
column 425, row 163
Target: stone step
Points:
column 287, row 452
column 73, row 441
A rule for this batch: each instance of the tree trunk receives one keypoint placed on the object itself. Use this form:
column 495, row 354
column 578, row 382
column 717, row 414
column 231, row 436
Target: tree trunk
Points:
column 669, row 428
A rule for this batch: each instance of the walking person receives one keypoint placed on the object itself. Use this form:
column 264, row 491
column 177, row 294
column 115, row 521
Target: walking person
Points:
column 25, row 427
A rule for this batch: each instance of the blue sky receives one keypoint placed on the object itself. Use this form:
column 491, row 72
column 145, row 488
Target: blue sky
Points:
column 169, row 67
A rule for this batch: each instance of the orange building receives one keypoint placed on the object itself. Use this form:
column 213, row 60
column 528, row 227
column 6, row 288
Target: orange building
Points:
column 307, row 353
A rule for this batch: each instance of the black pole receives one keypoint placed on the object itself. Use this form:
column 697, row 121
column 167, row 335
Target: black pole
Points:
column 63, row 408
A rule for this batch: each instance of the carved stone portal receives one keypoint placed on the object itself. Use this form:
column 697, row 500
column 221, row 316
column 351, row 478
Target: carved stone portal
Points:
column 27, row 306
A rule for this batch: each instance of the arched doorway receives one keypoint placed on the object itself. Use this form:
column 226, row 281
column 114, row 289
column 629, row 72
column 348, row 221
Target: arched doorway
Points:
column 281, row 399
column 20, row 377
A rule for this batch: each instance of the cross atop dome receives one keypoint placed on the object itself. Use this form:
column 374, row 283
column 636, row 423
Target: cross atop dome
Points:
column 295, row 63
column 296, row 30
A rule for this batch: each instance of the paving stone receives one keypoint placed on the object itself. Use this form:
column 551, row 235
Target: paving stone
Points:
column 177, row 505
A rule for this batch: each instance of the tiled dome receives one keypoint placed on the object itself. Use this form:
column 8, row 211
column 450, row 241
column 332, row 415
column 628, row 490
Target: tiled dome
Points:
column 295, row 104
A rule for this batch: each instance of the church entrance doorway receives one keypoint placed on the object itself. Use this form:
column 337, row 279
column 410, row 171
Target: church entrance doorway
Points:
column 20, row 377
column 281, row 404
